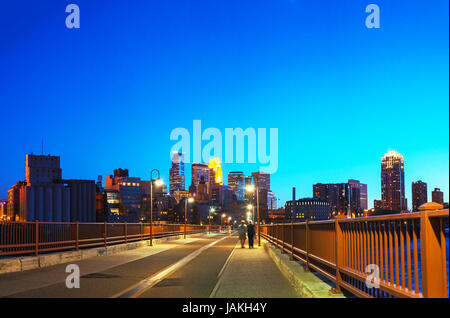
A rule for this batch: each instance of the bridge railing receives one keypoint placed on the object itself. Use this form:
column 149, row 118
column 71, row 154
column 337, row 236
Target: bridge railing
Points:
column 405, row 252
column 22, row 238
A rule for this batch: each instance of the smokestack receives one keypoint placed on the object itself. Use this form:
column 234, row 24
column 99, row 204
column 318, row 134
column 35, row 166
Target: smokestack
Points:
column 294, row 206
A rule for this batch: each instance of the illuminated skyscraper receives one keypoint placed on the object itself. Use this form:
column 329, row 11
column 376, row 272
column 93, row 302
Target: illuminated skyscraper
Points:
column 261, row 180
column 362, row 192
column 176, row 173
column 419, row 194
column 215, row 174
column 236, row 181
column 393, row 182
column 199, row 170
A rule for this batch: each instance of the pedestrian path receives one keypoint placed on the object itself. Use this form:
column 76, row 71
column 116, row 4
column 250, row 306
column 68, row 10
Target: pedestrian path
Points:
column 251, row 273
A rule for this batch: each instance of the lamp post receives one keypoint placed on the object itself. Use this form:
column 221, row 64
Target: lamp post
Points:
column 158, row 182
column 221, row 221
column 186, row 201
column 210, row 217
column 252, row 209
column 251, row 188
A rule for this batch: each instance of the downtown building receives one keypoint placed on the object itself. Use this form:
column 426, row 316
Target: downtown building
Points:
column 199, row 172
column 122, row 195
column 313, row 209
column 236, row 180
column 44, row 196
column 343, row 198
column 363, row 204
column 437, row 196
column 419, row 194
column 393, row 182
column 176, row 173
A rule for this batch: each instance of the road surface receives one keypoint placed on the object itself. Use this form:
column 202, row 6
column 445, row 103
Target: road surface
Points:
column 206, row 265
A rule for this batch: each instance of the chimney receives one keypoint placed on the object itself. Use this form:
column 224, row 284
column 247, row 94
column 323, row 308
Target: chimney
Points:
column 294, row 206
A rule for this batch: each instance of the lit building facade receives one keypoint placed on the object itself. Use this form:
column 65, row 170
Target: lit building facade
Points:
column 3, row 209
column 271, row 201
column 393, row 182
column 343, row 198
column 419, row 194
column 176, row 173
column 237, row 182
column 363, row 204
column 308, row 209
column 199, row 171
column 129, row 191
column 261, row 180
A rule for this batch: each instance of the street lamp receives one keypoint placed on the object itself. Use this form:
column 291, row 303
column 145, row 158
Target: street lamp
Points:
column 210, row 217
column 158, row 182
column 186, row 201
column 221, row 221
column 251, row 188
column 251, row 208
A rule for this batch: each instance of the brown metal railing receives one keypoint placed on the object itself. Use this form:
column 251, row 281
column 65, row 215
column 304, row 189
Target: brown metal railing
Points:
column 21, row 238
column 408, row 249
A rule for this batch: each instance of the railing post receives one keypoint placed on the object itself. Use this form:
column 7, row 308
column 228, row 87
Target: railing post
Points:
column 126, row 233
column 104, row 232
column 339, row 254
column 36, row 238
column 307, row 243
column 432, row 248
column 282, row 238
column 292, row 240
column 140, row 230
column 76, row 236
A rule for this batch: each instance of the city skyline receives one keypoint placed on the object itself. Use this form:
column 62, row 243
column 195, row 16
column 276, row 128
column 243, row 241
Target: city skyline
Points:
column 186, row 176
column 102, row 99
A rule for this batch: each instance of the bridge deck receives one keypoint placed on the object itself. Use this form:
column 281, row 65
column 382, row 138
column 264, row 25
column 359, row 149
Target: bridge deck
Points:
column 204, row 266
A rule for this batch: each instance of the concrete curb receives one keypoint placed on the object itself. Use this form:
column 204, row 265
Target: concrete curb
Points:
column 23, row 263
column 306, row 284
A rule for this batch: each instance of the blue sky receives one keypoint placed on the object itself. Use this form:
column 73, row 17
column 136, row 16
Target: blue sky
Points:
column 108, row 95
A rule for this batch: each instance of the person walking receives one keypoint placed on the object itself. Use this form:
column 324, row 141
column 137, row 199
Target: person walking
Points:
column 242, row 230
column 250, row 234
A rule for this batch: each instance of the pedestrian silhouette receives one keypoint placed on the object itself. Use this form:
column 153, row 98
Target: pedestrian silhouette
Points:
column 250, row 233
column 242, row 230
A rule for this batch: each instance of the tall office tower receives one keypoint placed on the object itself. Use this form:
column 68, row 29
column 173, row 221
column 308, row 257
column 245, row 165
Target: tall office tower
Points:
column 247, row 182
column 393, row 182
column 271, row 200
column 261, row 180
column 237, row 182
column 419, row 194
column 215, row 168
column 99, row 184
column 176, row 173
column 437, row 196
column 362, row 192
column 199, row 170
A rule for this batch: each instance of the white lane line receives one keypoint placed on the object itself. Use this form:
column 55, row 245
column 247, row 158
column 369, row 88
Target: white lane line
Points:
column 138, row 289
column 219, row 276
